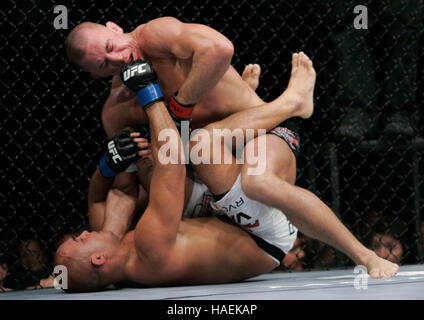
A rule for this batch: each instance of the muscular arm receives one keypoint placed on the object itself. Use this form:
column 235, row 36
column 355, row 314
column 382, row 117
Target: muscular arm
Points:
column 209, row 51
column 121, row 204
column 156, row 231
column 117, row 211
column 112, row 202
column 97, row 193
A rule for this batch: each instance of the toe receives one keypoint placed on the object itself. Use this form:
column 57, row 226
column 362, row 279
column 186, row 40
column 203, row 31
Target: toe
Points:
column 246, row 70
column 256, row 69
column 310, row 64
column 295, row 59
column 305, row 60
column 373, row 274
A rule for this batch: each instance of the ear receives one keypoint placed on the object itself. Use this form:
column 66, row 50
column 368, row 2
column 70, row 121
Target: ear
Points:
column 98, row 259
column 114, row 27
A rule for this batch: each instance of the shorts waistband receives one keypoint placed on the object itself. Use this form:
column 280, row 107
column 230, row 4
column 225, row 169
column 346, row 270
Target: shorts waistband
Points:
column 290, row 136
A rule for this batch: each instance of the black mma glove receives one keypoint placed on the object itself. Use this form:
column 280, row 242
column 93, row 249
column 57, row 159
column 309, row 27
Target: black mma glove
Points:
column 140, row 77
column 143, row 129
column 122, row 151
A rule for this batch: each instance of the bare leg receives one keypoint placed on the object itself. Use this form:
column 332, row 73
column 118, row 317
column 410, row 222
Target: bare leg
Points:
column 306, row 211
column 316, row 220
column 296, row 101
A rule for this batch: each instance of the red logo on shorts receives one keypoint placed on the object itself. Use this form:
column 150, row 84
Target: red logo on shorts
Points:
column 249, row 225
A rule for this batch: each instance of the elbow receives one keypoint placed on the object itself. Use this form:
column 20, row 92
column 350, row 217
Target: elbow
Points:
column 224, row 51
column 225, row 48
column 220, row 51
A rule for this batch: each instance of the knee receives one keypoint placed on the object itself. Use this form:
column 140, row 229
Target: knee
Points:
column 254, row 185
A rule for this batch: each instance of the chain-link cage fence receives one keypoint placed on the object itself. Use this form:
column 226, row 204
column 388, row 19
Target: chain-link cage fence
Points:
column 359, row 154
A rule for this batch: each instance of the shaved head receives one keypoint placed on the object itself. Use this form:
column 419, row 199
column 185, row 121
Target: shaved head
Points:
column 82, row 276
column 77, row 41
column 85, row 259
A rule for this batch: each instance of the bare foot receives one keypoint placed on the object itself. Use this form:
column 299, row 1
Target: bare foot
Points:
column 380, row 268
column 251, row 75
column 301, row 85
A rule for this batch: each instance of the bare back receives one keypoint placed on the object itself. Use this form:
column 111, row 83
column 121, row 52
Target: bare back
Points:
column 207, row 250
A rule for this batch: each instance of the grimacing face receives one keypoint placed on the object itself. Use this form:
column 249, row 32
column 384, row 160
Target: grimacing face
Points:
column 87, row 243
column 106, row 49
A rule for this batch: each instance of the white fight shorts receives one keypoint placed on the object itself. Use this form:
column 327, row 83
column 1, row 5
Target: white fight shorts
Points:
column 268, row 226
column 199, row 203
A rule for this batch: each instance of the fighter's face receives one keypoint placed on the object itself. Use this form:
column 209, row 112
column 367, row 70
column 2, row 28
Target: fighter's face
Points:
column 107, row 50
column 89, row 242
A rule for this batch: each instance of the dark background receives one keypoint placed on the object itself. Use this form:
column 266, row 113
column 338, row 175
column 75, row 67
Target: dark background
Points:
column 51, row 130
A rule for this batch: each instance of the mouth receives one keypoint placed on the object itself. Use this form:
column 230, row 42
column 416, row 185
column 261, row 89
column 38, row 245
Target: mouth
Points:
column 130, row 58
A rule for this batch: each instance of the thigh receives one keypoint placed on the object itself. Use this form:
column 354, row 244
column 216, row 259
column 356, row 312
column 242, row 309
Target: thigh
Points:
column 213, row 162
column 277, row 158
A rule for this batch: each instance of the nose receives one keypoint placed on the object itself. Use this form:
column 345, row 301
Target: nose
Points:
column 84, row 234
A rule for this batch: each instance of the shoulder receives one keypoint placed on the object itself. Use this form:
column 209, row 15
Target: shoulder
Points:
column 163, row 22
column 161, row 26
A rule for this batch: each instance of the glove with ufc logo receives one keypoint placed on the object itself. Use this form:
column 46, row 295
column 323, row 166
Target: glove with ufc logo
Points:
column 140, row 77
column 122, row 151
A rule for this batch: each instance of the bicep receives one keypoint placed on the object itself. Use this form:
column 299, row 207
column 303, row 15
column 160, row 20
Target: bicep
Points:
column 166, row 197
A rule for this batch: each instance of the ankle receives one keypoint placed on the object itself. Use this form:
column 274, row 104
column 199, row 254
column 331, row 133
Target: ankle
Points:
column 365, row 257
column 291, row 100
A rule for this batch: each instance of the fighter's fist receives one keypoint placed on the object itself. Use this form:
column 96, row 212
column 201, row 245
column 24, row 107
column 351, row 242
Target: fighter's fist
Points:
column 140, row 77
column 122, row 150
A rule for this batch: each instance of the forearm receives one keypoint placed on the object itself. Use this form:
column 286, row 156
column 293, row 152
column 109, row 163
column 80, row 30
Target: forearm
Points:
column 111, row 209
column 97, row 193
column 209, row 65
column 98, row 188
column 162, row 126
column 119, row 211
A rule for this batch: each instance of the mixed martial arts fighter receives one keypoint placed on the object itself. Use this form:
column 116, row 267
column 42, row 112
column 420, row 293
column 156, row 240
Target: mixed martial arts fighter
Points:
column 193, row 66
column 164, row 249
column 94, row 262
